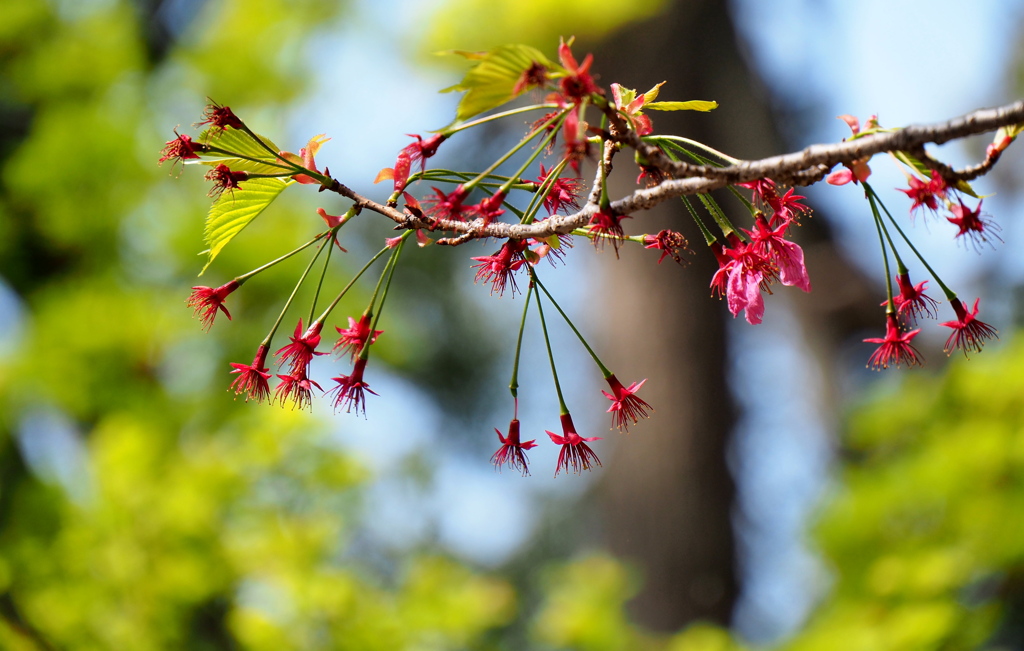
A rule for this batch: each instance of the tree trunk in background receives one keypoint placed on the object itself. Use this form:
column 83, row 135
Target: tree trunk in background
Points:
column 668, row 496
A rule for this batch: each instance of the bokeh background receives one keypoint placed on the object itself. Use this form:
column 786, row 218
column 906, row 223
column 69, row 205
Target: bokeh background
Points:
column 781, row 496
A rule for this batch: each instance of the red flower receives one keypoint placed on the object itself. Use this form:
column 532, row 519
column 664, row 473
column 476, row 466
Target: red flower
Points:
column 350, row 389
column 670, row 243
column 301, row 351
column 208, row 300
column 563, row 194
column 179, row 149
column 512, row 452
column 912, row 301
column 356, row 335
column 219, row 117
column 488, row 209
column 578, row 84
column 252, row 378
column 607, row 227
column 927, row 193
column 574, row 133
column 296, row 387
column 626, row 406
column 975, row 225
column 412, row 153
column 224, row 179
column 534, row 76
column 575, row 451
column 969, row 334
column 895, row 348
column 447, row 206
column 498, row 269
column 741, row 275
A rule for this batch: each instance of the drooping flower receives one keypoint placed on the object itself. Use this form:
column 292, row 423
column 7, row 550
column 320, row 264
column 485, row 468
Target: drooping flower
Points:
column 926, row 193
column 499, row 269
column 296, row 387
column 351, row 389
column 626, row 405
column 180, row 149
column 356, row 335
column 978, row 227
column 787, row 208
column 912, row 302
column 252, row 378
column 577, row 84
column 563, row 194
column 605, row 227
column 489, row 208
column 512, row 452
column 447, row 206
column 300, row 352
column 895, row 348
column 670, row 243
column 206, row 301
column 220, row 117
column 575, row 452
column 224, row 179
column 788, row 256
column 969, row 334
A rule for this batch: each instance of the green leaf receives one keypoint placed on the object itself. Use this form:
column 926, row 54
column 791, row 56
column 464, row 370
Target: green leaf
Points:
column 234, row 209
column 250, row 156
column 692, row 105
column 490, row 82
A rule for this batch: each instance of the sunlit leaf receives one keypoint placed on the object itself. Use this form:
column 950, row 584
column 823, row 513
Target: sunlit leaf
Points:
column 251, row 156
column 490, row 82
column 692, row 105
column 235, row 209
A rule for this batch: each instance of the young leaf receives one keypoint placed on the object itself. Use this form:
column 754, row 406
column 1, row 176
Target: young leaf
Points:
column 692, row 105
column 490, row 82
column 235, row 209
column 251, row 157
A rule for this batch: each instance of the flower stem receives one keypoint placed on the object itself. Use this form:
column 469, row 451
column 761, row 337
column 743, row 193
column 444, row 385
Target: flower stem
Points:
column 287, row 304
column 890, row 306
column 522, row 143
column 323, row 273
column 364, row 352
column 497, row 116
column 563, row 410
column 513, row 384
column 246, row 276
column 597, row 360
column 337, row 299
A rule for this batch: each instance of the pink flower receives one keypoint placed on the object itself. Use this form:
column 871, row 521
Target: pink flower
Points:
column 976, row 226
column 577, row 84
column 576, row 145
column 670, row 243
column 296, row 387
column 301, row 351
column 208, row 300
column 563, row 194
column 224, row 179
column 355, row 336
column 575, row 451
column 350, row 389
column 252, row 378
column 512, row 452
column 626, row 406
column 742, row 273
column 498, row 269
column 895, row 348
column 788, row 256
column 179, row 149
column 220, row 117
column 969, row 334
column 912, row 301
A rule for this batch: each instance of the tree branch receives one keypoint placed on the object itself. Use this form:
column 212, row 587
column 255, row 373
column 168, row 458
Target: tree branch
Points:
column 804, row 167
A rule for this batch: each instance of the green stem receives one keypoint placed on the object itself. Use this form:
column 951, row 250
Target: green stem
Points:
column 497, row 116
column 513, row 384
column 563, row 410
column 709, row 237
column 364, row 352
column 597, row 360
column 302, row 278
column 890, row 306
column 244, row 277
column 323, row 273
column 522, row 143
column 337, row 299
column 536, row 152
